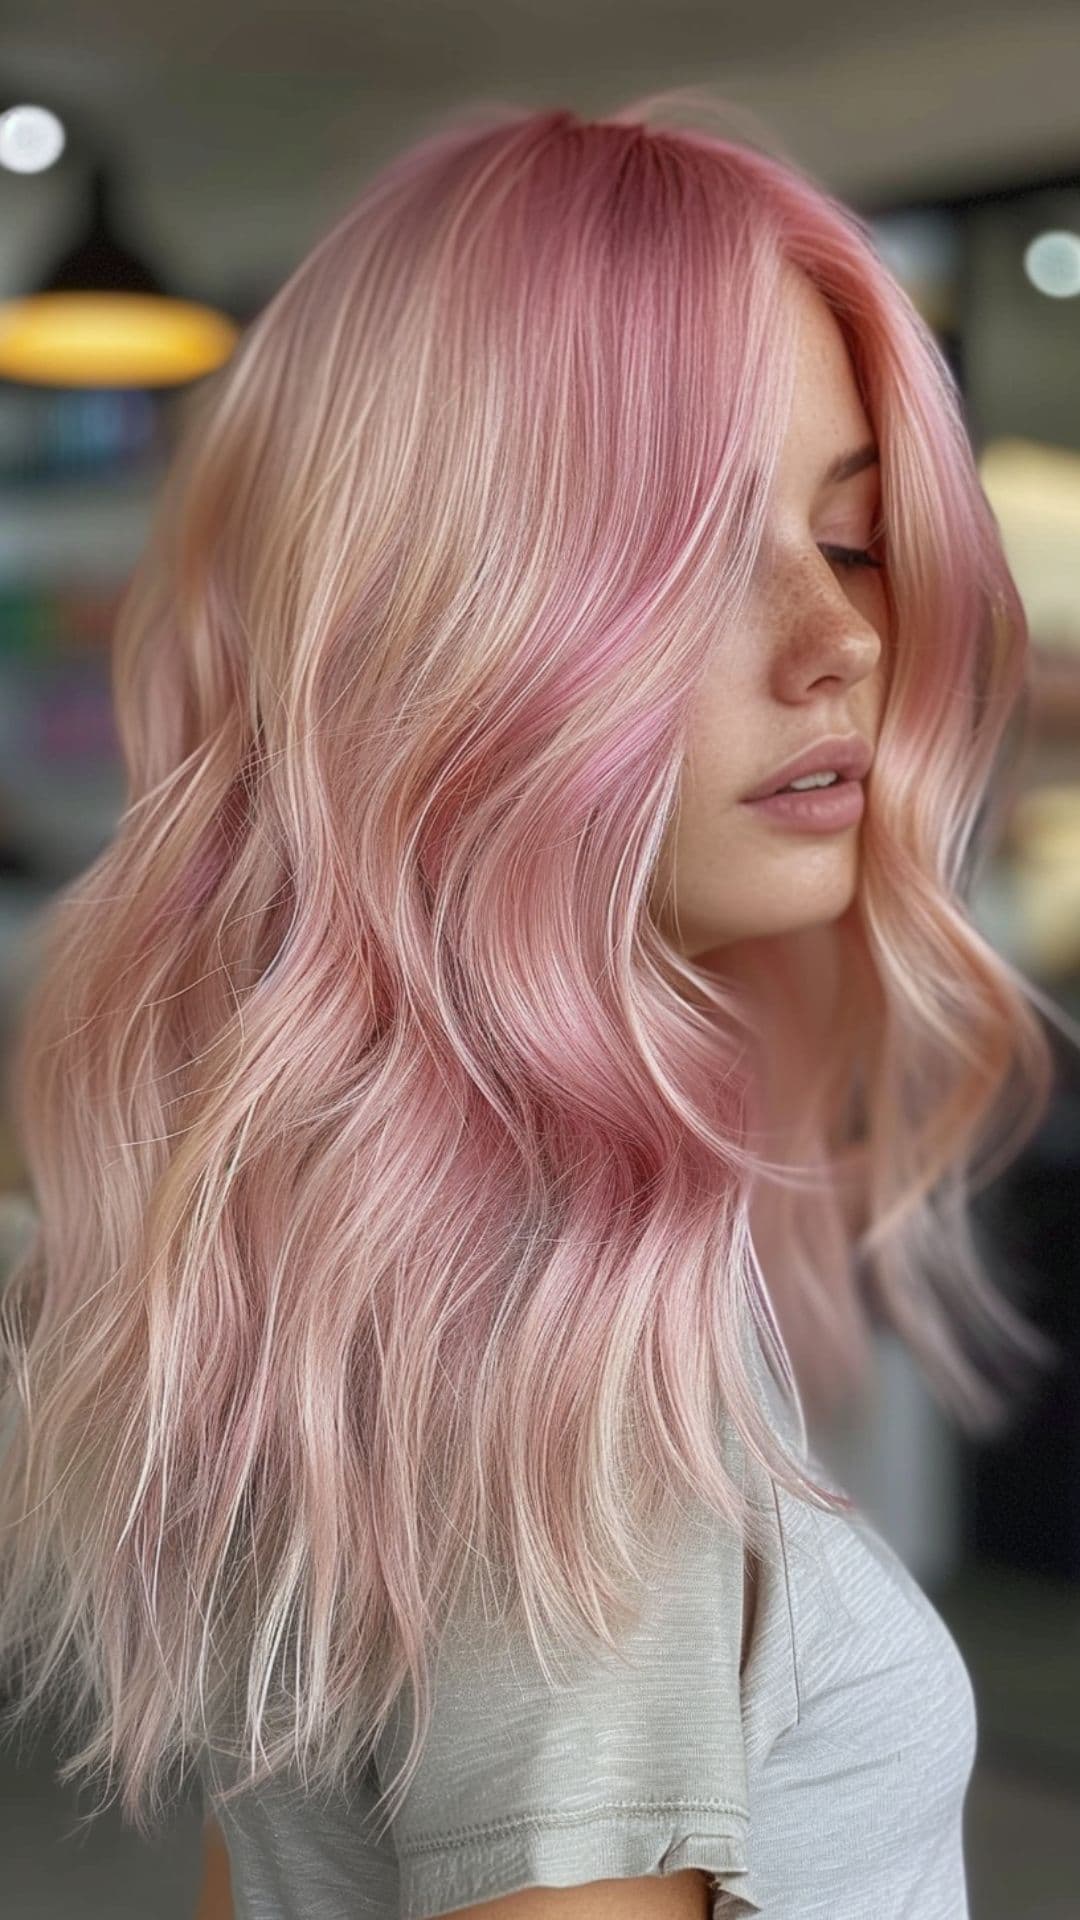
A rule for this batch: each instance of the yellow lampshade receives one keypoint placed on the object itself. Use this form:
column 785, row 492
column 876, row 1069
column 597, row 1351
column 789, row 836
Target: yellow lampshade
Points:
column 101, row 339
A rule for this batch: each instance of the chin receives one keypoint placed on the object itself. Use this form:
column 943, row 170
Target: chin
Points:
column 792, row 920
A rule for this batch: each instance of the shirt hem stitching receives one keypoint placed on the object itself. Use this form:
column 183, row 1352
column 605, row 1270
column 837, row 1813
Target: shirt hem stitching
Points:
column 461, row 1836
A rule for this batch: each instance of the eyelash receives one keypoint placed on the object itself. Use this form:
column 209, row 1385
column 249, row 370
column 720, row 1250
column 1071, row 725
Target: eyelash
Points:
column 859, row 556
column 852, row 557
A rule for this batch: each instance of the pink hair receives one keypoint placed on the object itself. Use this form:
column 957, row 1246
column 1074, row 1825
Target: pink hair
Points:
column 392, row 1171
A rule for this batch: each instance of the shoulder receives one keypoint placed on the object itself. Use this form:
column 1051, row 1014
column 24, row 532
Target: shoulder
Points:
column 622, row 1766
column 556, row 1773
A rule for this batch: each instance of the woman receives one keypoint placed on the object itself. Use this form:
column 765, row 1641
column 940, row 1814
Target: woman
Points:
column 469, row 1129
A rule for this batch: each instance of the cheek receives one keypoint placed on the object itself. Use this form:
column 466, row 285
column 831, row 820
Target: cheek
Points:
column 715, row 771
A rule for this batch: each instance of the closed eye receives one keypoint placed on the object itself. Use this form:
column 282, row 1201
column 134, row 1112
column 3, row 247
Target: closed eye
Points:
column 851, row 556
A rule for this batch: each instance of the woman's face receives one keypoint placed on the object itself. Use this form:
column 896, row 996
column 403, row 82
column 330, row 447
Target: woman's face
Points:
column 808, row 659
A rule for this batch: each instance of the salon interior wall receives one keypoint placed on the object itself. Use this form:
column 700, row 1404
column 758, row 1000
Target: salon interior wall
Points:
column 242, row 147
column 244, row 139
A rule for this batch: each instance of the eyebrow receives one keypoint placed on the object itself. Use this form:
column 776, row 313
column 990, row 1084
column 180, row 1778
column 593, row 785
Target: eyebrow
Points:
column 844, row 467
column 848, row 464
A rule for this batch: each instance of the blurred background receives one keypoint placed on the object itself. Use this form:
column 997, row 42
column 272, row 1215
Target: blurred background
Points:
column 183, row 163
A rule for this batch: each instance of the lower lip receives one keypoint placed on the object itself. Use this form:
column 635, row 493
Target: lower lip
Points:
column 818, row 810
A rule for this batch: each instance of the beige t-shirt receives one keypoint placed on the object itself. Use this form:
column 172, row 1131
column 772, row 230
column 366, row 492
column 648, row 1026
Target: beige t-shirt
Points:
column 806, row 1740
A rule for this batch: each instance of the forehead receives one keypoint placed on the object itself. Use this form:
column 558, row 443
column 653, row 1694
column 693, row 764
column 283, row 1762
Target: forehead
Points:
column 827, row 418
column 820, row 336
column 826, row 382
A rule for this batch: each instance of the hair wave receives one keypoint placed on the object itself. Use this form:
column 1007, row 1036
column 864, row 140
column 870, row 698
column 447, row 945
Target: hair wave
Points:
column 392, row 1171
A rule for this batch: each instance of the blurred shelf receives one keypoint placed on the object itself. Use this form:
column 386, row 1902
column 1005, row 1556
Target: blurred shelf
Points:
column 76, row 532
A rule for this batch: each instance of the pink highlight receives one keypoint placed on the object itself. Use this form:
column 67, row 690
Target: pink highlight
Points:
column 393, row 1172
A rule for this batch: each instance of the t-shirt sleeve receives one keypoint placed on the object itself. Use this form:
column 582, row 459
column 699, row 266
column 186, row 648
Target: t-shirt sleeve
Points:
column 615, row 1772
column 602, row 1769
column 295, row 1856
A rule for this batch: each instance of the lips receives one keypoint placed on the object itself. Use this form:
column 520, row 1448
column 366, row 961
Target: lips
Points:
column 848, row 755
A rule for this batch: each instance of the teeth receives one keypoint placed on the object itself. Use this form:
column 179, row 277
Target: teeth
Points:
column 811, row 780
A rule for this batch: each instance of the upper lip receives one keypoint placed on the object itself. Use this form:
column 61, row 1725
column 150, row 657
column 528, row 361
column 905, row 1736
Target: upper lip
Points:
column 847, row 754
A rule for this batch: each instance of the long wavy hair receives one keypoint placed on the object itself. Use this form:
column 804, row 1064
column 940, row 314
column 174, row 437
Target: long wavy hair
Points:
column 391, row 1169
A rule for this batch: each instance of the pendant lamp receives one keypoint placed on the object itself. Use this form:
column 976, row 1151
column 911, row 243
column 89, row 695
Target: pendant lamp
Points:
column 102, row 317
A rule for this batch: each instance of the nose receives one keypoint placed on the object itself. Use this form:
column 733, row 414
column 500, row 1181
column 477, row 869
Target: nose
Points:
column 825, row 630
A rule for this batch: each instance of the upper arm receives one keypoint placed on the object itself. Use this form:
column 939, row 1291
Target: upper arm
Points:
column 215, row 1892
column 614, row 1791
column 623, row 1780
column 678, row 1896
